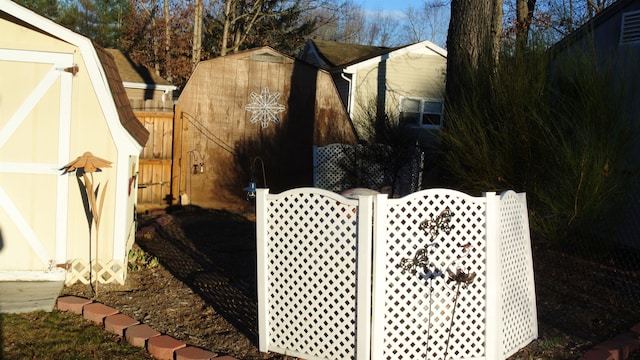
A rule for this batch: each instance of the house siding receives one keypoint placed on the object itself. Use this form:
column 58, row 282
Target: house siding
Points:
column 410, row 75
column 603, row 35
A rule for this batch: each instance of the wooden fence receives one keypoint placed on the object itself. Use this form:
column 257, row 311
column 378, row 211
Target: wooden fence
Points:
column 156, row 161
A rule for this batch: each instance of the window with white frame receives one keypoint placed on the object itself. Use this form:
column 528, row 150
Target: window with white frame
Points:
column 418, row 112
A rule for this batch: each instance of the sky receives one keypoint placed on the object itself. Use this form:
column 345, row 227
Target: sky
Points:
column 388, row 5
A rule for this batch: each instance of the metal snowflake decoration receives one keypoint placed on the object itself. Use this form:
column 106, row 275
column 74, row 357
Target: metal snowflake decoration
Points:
column 265, row 107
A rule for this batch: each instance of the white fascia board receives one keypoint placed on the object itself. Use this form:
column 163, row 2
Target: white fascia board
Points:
column 144, row 86
column 423, row 47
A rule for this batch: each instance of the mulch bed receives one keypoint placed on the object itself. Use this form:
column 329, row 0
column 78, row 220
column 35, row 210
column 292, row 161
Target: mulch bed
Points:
column 204, row 290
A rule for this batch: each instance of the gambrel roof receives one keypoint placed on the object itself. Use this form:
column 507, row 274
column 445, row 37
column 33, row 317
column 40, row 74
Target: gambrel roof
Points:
column 601, row 18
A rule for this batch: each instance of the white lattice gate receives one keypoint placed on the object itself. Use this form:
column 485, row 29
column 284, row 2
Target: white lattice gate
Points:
column 451, row 277
column 314, row 274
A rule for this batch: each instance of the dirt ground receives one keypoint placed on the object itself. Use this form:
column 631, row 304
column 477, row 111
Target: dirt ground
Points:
column 203, row 291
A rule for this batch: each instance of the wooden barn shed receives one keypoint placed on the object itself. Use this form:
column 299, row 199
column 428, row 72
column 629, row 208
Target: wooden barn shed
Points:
column 254, row 115
column 65, row 100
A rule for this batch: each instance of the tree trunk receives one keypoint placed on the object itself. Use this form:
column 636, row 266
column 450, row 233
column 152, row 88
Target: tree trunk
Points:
column 155, row 42
column 471, row 43
column 524, row 16
column 226, row 28
column 167, row 40
column 197, row 34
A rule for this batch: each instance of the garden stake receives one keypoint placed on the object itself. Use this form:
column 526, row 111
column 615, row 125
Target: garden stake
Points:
column 460, row 278
column 87, row 163
column 420, row 260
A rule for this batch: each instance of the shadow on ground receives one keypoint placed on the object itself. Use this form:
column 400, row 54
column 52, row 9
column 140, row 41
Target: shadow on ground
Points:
column 581, row 300
column 214, row 253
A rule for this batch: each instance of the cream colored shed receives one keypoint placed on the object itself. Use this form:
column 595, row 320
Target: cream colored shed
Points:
column 61, row 96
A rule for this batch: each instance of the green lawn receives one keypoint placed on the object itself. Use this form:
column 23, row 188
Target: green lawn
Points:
column 61, row 335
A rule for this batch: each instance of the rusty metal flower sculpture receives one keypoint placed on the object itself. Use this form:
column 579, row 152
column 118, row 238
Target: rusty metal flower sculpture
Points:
column 426, row 270
column 83, row 165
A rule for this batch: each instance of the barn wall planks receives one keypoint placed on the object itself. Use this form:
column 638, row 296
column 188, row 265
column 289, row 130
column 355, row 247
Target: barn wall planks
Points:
column 220, row 133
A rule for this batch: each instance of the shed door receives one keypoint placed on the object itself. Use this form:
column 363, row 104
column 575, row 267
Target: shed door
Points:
column 35, row 122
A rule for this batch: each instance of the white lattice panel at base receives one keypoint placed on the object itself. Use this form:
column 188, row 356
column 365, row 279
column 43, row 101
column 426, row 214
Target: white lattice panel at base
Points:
column 112, row 271
column 310, row 286
column 452, row 275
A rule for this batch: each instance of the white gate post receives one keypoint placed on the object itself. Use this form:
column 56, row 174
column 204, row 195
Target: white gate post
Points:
column 493, row 338
column 378, row 277
column 363, row 326
column 263, row 277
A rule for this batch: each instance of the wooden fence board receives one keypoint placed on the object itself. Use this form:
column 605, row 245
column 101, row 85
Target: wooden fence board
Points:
column 156, row 160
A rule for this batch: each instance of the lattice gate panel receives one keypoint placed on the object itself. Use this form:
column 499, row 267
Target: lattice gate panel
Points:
column 452, row 275
column 519, row 316
column 434, row 296
column 311, row 265
column 329, row 172
column 338, row 167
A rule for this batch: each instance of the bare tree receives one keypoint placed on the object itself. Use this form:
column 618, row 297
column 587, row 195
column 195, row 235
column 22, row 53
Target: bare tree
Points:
column 160, row 38
column 428, row 22
column 567, row 15
column 380, row 29
column 524, row 17
column 343, row 23
column 150, row 10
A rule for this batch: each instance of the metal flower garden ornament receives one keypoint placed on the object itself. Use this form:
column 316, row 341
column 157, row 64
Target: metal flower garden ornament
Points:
column 92, row 199
column 422, row 266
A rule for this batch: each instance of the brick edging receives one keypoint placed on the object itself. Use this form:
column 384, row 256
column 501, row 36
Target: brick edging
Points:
column 616, row 348
column 137, row 334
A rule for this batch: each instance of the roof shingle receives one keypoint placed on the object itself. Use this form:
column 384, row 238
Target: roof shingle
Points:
column 125, row 112
column 336, row 54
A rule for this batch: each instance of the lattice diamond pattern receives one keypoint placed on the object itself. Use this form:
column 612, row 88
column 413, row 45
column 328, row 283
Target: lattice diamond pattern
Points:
column 332, row 173
column 418, row 311
column 518, row 309
column 112, row 271
column 311, row 256
column 329, row 173
column 312, row 275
